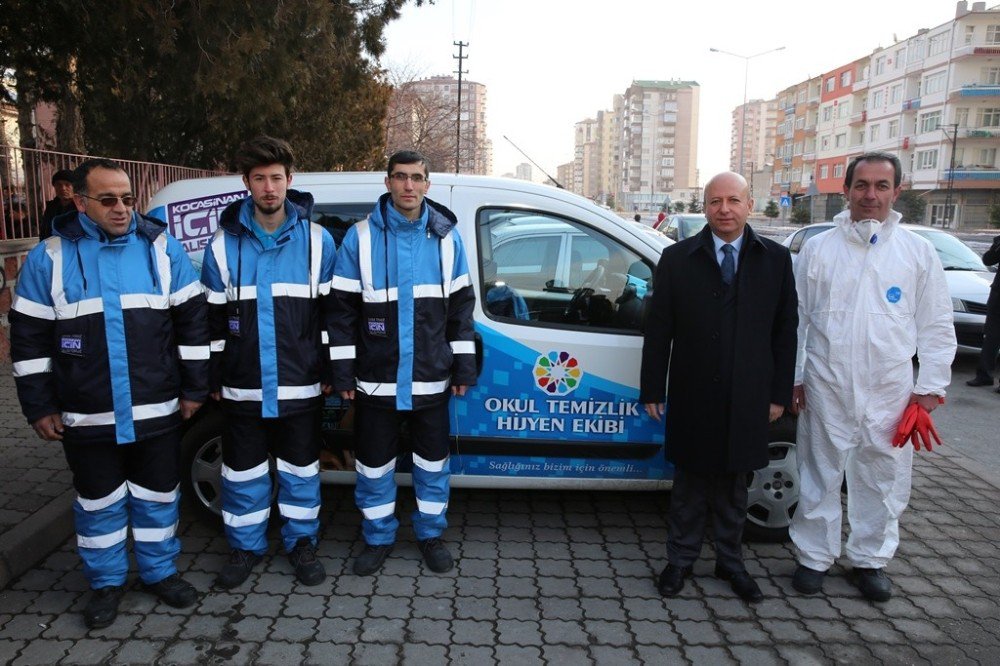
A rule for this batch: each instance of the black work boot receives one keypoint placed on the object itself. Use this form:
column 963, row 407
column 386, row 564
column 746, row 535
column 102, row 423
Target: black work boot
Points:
column 671, row 580
column 174, row 591
column 237, row 569
column 371, row 559
column 436, row 555
column 873, row 583
column 808, row 581
column 308, row 569
column 102, row 609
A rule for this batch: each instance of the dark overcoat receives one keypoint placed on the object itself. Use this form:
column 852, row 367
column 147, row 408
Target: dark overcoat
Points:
column 721, row 382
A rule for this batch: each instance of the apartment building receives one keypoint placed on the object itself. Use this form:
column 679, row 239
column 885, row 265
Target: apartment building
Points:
column 752, row 135
column 659, row 142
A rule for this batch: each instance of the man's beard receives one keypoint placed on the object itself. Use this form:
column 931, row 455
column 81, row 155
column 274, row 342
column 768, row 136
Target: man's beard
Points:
column 268, row 210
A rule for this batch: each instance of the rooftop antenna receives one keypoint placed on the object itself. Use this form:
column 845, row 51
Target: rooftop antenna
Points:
column 558, row 184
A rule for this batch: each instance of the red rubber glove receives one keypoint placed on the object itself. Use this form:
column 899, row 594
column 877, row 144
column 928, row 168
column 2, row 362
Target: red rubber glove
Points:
column 924, row 430
column 906, row 425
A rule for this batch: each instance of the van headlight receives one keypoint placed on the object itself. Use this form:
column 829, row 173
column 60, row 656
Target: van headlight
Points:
column 958, row 305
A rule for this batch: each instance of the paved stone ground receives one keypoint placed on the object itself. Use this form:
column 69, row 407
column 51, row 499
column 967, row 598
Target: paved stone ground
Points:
column 542, row 577
column 33, row 472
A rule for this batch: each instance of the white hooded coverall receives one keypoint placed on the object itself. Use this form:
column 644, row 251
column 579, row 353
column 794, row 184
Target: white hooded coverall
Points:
column 865, row 308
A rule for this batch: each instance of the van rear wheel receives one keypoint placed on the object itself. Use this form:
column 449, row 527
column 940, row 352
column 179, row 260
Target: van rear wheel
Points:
column 774, row 490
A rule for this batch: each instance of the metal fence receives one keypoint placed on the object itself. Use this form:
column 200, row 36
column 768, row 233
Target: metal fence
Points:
column 26, row 184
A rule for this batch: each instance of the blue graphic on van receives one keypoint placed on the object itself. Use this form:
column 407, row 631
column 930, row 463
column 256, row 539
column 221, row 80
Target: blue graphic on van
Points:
column 893, row 294
column 510, row 403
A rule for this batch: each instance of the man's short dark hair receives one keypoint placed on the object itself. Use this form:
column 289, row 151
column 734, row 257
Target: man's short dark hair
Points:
column 875, row 156
column 82, row 171
column 264, row 150
column 408, row 157
column 65, row 175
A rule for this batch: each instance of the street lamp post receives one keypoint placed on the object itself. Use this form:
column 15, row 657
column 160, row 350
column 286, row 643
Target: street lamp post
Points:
column 948, row 221
column 746, row 78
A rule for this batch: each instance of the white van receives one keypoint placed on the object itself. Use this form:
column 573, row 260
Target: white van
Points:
column 560, row 284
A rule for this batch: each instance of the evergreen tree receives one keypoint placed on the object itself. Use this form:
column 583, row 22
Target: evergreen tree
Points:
column 771, row 209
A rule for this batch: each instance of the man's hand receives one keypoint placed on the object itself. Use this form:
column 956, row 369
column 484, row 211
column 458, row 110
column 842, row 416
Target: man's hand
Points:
column 326, row 389
column 928, row 402
column 775, row 412
column 798, row 399
column 215, row 395
column 347, row 395
column 459, row 389
column 655, row 409
column 188, row 408
column 49, row 427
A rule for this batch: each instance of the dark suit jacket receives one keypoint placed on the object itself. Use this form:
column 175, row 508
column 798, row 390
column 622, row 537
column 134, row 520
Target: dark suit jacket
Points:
column 718, row 398
column 992, row 256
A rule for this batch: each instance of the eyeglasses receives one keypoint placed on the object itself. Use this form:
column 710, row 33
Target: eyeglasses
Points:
column 401, row 177
column 111, row 201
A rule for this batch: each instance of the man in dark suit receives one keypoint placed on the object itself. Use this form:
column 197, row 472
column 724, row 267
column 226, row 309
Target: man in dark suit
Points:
column 722, row 319
column 991, row 332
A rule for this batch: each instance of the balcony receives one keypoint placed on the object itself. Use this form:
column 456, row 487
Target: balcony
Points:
column 976, row 90
column 911, row 104
column 972, row 50
column 860, row 85
column 983, row 133
column 981, row 174
column 859, row 118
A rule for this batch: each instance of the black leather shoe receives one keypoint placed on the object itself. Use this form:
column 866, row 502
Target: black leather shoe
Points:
column 174, row 591
column 237, row 569
column 436, row 555
column 672, row 580
column 308, row 569
column 980, row 381
column 371, row 559
column 873, row 583
column 808, row 581
column 743, row 585
column 102, row 609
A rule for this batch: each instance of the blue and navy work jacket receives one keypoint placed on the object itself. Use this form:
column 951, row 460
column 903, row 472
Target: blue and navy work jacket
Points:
column 268, row 309
column 109, row 332
column 402, row 333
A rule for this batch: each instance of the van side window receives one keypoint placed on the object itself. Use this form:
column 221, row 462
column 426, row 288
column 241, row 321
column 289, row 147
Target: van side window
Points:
column 536, row 267
column 338, row 218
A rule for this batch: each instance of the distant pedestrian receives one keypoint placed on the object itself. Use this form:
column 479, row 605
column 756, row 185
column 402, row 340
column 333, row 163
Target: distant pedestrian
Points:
column 871, row 295
column 721, row 326
column 991, row 331
column 402, row 345
column 267, row 270
column 62, row 183
column 109, row 338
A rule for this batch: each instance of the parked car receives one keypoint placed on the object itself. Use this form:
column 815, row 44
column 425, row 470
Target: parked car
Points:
column 968, row 278
column 681, row 226
column 560, row 285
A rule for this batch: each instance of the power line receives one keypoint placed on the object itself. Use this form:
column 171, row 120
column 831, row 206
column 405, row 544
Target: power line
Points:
column 458, row 125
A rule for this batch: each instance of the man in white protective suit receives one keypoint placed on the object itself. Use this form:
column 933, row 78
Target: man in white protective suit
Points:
column 871, row 295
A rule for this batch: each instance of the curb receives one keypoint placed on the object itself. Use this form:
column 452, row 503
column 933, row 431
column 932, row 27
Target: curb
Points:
column 27, row 544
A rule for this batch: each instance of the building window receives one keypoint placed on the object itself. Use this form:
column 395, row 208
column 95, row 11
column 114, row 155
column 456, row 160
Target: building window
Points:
column 824, row 171
column 970, row 33
column 873, row 132
column 927, row 159
column 838, row 171
column 879, row 65
column 962, row 116
column 878, row 99
column 929, row 122
column 840, row 141
column 988, row 118
column 824, row 143
column 893, row 129
column 987, row 157
column 845, row 78
column 831, row 83
column 936, row 44
column 990, row 76
column 899, row 60
column 827, row 113
column 896, row 94
column 933, row 83
column 993, row 34
column 843, row 110
column 960, row 157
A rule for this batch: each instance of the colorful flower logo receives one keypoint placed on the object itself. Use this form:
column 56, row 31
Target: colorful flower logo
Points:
column 557, row 373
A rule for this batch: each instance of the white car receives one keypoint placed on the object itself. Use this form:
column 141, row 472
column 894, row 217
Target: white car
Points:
column 968, row 278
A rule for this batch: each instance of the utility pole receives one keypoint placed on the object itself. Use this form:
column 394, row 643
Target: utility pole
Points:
column 953, row 137
column 458, row 125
